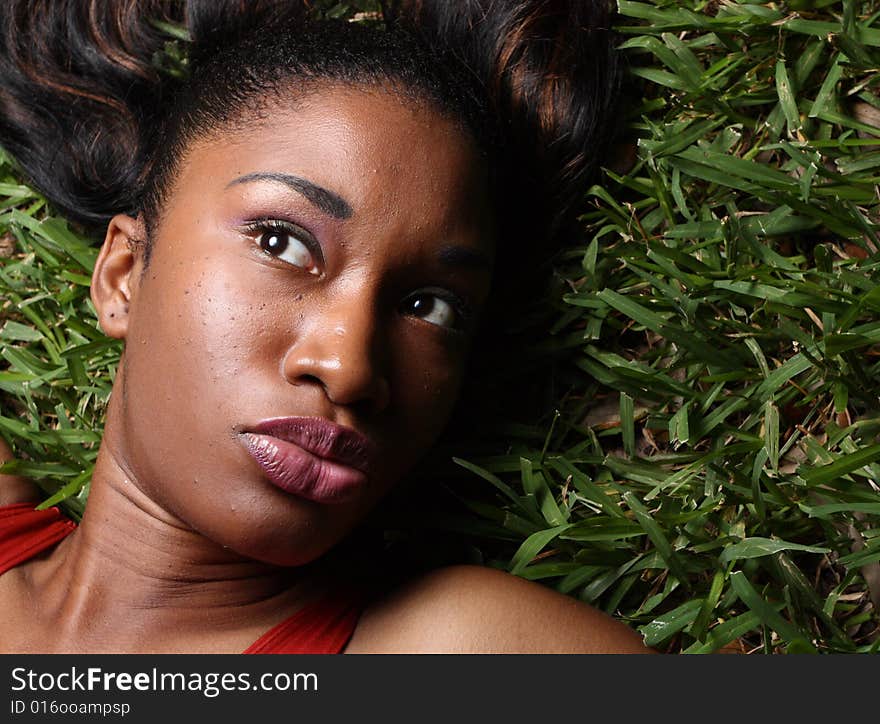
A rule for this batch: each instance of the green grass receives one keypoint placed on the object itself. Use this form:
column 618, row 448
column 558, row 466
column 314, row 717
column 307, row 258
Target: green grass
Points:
column 708, row 468
column 712, row 473
column 58, row 366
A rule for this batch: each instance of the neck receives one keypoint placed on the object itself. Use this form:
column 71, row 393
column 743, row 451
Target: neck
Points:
column 131, row 561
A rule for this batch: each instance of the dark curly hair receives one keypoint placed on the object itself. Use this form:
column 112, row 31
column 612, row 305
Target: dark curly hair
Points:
column 98, row 127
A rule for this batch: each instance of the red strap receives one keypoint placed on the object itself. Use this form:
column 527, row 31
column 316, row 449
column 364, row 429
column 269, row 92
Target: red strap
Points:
column 25, row 532
column 322, row 627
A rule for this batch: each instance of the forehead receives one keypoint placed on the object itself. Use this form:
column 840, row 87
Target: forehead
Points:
column 383, row 152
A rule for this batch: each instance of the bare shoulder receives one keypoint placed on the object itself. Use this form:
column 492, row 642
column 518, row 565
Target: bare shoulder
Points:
column 470, row 609
column 14, row 489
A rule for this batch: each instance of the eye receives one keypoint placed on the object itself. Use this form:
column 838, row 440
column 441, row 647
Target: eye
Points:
column 441, row 309
column 287, row 242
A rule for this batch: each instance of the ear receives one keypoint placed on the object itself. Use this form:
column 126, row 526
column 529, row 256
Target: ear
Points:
column 116, row 273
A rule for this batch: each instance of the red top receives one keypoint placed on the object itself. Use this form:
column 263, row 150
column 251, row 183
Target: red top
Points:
column 321, row 627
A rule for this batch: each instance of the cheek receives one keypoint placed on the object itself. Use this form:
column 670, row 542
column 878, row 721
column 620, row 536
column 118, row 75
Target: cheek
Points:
column 197, row 334
column 428, row 383
column 193, row 324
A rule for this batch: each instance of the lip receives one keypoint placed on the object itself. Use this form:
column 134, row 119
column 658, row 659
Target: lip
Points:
column 311, row 458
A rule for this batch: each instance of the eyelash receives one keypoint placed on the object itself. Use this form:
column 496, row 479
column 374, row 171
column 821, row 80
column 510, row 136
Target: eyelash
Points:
column 268, row 225
column 462, row 309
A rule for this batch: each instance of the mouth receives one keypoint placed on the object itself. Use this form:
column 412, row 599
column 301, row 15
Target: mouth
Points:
column 311, row 458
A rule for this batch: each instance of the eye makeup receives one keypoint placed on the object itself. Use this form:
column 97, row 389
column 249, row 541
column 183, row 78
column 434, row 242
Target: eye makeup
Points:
column 268, row 227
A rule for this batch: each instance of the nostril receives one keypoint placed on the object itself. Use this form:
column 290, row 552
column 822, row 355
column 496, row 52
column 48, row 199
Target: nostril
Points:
column 310, row 379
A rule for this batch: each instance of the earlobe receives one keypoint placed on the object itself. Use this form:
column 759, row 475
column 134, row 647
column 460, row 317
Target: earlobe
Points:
column 115, row 276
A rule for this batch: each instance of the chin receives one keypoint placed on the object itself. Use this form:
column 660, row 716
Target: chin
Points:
column 289, row 542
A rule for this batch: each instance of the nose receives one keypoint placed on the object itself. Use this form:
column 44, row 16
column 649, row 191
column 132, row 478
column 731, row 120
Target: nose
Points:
column 341, row 350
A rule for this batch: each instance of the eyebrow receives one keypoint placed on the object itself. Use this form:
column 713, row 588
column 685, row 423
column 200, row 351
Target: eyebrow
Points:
column 325, row 200
column 462, row 256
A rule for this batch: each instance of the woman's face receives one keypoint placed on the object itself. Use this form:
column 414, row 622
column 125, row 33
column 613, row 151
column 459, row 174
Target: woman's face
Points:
column 325, row 262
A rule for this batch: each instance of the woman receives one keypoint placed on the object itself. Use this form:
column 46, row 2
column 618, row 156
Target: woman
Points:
column 298, row 248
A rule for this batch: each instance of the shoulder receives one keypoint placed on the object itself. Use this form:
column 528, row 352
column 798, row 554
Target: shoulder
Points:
column 470, row 609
